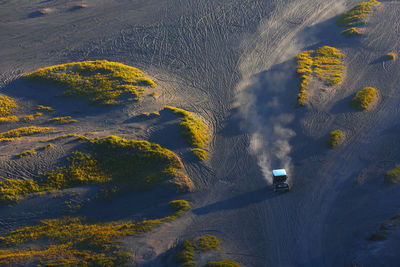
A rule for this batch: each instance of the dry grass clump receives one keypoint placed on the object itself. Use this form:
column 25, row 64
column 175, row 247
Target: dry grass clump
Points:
column 363, row 98
column 353, row 31
column 23, row 132
column 392, row 176
column 64, row 136
column 193, row 131
column 223, row 263
column 391, row 56
column 8, row 119
column 357, row 14
column 185, row 254
column 334, row 138
column 48, row 146
column 44, row 108
column 26, row 153
column 326, row 63
column 74, row 242
column 31, row 117
column 101, row 82
column 62, row 120
column 7, row 106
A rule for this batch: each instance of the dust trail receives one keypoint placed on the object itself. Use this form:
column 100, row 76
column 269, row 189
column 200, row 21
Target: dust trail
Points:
column 265, row 93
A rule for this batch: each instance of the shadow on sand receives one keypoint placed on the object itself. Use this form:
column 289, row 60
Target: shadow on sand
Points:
column 237, row 202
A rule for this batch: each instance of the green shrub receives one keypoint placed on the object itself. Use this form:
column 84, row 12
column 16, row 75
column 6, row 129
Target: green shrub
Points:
column 353, row 31
column 101, row 82
column 12, row 190
column 7, row 106
column 193, row 130
column 223, row 263
column 393, row 175
column 363, row 98
column 357, row 14
column 62, row 120
column 200, row 153
column 334, row 138
column 73, row 242
column 31, row 117
column 185, row 254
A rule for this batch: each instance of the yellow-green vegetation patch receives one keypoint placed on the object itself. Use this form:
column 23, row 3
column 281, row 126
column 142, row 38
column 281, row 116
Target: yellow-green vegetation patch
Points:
column 223, row 263
column 23, row 132
column 364, row 98
column 353, row 31
column 393, row 175
column 200, row 153
column 101, row 82
column 8, row 119
column 7, row 106
column 26, row 153
column 13, row 190
column 74, row 242
column 64, row 136
column 357, row 14
column 326, row 63
column 334, row 138
column 48, row 146
column 62, row 120
column 31, row 117
column 391, row 56
column 193, row 130
column 185, row 254
column 44, row 108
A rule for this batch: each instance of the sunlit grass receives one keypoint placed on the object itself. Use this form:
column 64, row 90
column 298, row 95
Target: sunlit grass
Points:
column 62, row 120
column 391, row 56
column 357, row 14
column 31, row 117
column 353, row 31
column 75, row 242
column 193, row 130
column 23, row 132
column 26, row 153
column 326, row 63
column 363, row 98
column 101, row 82
column 7, row 105
column 44, row 108
column 125, row 164
column 8, row 119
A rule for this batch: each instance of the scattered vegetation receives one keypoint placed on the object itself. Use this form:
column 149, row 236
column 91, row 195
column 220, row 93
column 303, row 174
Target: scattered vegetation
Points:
column 32, row 117
column 48, row 146
column 334, row 138
column 26, row 153
column 23, row 132
column 125, row 164
column 7, row 106
column 8, row 119
column 193, row 131
column 44, row 108
column 392, row 176
column 13, row 190
column 385, row 228
column 74, row 242
column 64, row 136
column 200, row 153
column 149, row 115
column 223, row 263
column 357, row 14
column 185, row 254
column 326, row 63
column 363, row 98
column 353, row 31
column 101, row 82
column 62, row 120
column 391, row 56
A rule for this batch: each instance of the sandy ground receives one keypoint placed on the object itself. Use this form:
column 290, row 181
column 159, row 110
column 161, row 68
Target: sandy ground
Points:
column 232, row 63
